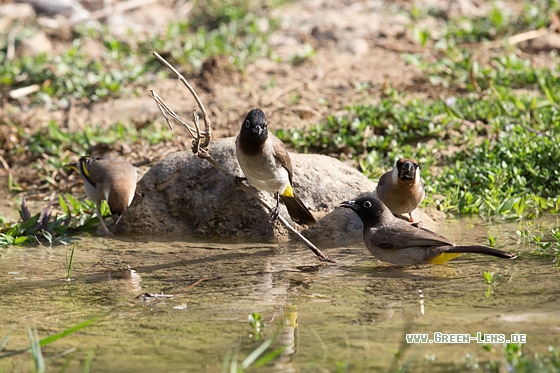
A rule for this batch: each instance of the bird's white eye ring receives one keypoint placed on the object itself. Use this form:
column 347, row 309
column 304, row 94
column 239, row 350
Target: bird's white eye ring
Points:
column 367, row 204
column 247, row 124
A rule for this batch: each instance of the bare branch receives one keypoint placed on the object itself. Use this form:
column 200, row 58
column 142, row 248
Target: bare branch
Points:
column 196, row 144
column 529, row 35
column 201, row 150
column 208, row 129
column 24, row 91
column 168, row 113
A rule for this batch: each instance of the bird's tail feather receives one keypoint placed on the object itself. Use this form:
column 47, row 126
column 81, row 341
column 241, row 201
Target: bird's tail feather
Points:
column 297, row 210
column 482, row 250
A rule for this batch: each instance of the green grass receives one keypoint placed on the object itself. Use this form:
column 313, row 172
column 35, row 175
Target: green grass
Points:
column 500, row 22
column 502, row 163
column 54, row 140
column 516, row 358
column 488, row 146
column 54, row 229
column 546, row 246
column 237, row 29
column 73, row 74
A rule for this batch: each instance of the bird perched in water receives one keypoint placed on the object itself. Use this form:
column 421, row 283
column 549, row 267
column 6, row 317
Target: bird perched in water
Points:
column 110, row 179
column 267, row 165
column 402, row 189
column 396, row 241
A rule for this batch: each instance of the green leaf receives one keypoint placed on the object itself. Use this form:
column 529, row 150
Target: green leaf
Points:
column 20, row 239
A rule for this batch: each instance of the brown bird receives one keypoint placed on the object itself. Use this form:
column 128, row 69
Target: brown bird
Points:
column 402, row 189
column 113, row 180
column 267, row 166
column 396, row 241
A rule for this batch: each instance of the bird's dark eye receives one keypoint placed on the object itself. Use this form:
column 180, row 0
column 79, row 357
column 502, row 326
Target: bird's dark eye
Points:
column 247, row 124
column 367, row 204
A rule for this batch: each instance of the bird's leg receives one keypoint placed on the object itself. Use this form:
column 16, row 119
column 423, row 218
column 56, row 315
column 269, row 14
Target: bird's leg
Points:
column 118, row 218
column 238, row 181
column 411, row 218
column 275, row 210
column 104, row 228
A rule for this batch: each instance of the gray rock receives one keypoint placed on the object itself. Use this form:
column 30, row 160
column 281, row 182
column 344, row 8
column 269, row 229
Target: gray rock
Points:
column 186, row 196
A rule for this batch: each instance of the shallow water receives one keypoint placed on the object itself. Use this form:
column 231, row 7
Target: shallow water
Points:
column 351, row 315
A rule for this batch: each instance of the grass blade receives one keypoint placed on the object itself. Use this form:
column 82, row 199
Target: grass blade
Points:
column 234, row 356
column 69, row 261
column 35, row 350
column 227, row 361
column 87, row 363
column 63, row 353
column 4, row 341
column 75, row 328
column 270, row 356
column 257, row 352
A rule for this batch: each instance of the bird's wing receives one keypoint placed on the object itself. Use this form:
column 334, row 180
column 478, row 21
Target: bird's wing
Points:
column 400, row 235
column 282, row 156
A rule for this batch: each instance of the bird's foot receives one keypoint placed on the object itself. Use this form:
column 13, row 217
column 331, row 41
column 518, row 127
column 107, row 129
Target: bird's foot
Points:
column 106, row 232
column 274, row 213
column 238, row 181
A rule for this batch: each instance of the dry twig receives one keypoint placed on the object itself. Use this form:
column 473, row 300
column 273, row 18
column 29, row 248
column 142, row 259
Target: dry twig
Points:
column 529, row 35
column 201, row 141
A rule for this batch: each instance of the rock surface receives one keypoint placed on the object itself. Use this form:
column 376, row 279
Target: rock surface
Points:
column 186, row 196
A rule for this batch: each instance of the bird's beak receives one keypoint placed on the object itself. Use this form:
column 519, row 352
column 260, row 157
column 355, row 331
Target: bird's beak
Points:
column 257, row 129
column 72, row 167
column 408, row 171
column 349, row 204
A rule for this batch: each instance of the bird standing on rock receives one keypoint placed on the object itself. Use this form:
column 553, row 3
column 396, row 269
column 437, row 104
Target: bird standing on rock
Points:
column 267, row 166
column 396, row 241
column 110, row 179
column 402, row 189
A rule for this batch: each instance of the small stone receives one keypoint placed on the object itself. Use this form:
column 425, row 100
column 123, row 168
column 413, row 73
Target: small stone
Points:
column 36, row 44
column 357, row 47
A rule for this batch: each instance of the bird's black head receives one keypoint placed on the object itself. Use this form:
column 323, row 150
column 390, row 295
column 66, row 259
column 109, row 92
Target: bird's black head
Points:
column 407, row 168
column 254, row 127
column 369, row 208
